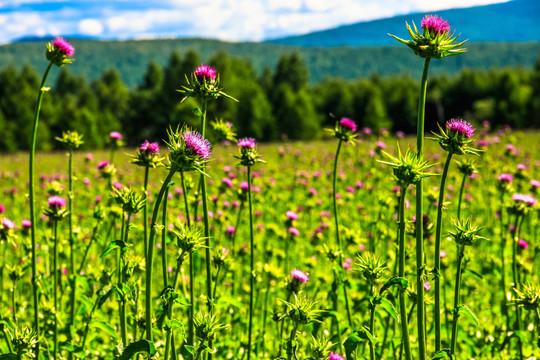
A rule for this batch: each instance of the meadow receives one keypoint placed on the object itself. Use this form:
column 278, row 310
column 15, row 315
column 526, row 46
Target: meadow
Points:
column 202, row 245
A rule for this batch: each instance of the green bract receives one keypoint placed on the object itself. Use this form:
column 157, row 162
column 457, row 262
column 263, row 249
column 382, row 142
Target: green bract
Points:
column 408, row 169
column 465, row 232
column 431, row 45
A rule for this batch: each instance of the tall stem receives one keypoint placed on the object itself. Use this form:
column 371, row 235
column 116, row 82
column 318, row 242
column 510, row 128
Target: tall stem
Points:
column 145, row 211
column 251, row 263
column 55, row 289
column 460, row 199
column 401, row 273
column 420, row 264
column 32, row 204
column 456, row 300
column 149, row 260
column 164, row 239
column 338, row 240
column 191, row 276
column 515, row 275
column 72, row 272
column 437, row 254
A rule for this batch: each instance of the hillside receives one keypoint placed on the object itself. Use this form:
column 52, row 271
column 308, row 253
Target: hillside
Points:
column 132, row 57
column 516, row 20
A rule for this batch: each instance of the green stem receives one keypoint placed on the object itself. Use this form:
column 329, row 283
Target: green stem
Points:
column 145, row 211
column 461, row 254
column 55, row 289
column 401, row 273
column 119, row 270
column 460, row 199
column 164, row 239
column 437, row 254
column 290, row 346
column 71, row 241
column 149, row 260
column 515, row 284
column 251, row 263
column 420, row 264
column 8, row 340
column 32, row 204
column 372, row 322
column 169, row 341
column 503, row 266
column 191, row 331
column 92, row 239
column 338, row 240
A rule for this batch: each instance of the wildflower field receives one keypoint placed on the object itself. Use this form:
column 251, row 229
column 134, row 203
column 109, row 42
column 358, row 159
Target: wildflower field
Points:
column 199, row 246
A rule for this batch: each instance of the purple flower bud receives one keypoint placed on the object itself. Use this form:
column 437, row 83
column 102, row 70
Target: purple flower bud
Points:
column 63, row 46
column 115, row 135
column 335, row 356
column 149, row 148
column 294, row 231
column 291, row 215
column 461, row 127
column 8, row 224
column 102, row 165
column 56, row 202
column 299, row 276
column 523, row 244
column 247, row 143
column 527, row 199
column 198, row 144
column 348, row 124
column 435, row 25
column 507, row 178
column 205, row 72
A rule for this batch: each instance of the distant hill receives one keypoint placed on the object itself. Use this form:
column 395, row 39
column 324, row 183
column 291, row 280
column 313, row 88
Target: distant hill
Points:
column 516, row 20
column 132, row 57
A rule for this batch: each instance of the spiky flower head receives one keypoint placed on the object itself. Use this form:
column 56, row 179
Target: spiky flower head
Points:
column 345, row 130
column 70, row 139
column 249, row 155
column 223, row 130
column 465, row 232
column 106, row 169
column 408, row 169
column 299, row 276
column 321, row 347
column 56, row 208
column 456, row 138
column 436, row 41
column 467, row 167
column 203, row 84
column 116, row 139
column 130, row 200
column 59, row 52
column 148, row 155
column 521, row 204
column 189, row 150
column 206, row 326
column 24, row 342
column 372, row 267
column 302, row 312
column 529, row 297
column 188, row 239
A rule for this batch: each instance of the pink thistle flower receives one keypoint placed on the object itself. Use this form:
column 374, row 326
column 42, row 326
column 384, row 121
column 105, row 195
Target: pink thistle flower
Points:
column 291, row 215
column 443, row 254
column 2, row 209
column 348, row 124
column 294, row 231
column 26, row 224
column 56, row 202
column 197, row 144
column 527, row 199
column 427, row 286
column 89, row 157
column 247, row 143
column 115, row 135
column 230, row 229
column 335, row 356
column 63, row 46
column 507, row 178
column 380, row 145
column 523, row 244
column 482, row 143
column 149, row 148
column 205, row 72
column 460, row 127
column 535, row 184
column 435, row 25
column 299, row 276
column 521, row 167
column 227, row 182
column 8, row 224
column 103, row 164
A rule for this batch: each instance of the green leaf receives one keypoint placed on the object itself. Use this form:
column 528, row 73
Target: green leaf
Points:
column 175, row 324
column 137, row 347
column 197, row 112
column 389, row 307
column 114, row 245
column 443, row 353
column 356, row 338
column 104, row 298
column 187, row 351
column 469, row 313
column 108, row 329
column 402, row 282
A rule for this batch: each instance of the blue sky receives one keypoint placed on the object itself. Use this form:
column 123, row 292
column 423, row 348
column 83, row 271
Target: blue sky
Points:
column 232, row 20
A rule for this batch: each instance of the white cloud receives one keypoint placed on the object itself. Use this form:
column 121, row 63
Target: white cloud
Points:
column 91, row 27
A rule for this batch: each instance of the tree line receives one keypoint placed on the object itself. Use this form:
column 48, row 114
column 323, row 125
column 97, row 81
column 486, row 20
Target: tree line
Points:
column 273, row 104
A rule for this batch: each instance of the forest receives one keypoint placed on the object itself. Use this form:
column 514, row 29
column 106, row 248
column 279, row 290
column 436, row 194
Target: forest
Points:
column 273, row 104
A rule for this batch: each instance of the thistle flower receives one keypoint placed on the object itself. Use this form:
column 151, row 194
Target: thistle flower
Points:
column 249, row 155
column 335, row 356
column 189, row 150
column 6, row 229
column 436, row 41
column 529, row 298
column 204, row 84
column 344, row 130
column 302, row 311
column 299, row 276
column 457, row 137
column 59, row 52
column 408, row 169
column 188, row 239
column 223, row 130
column 467, row 167
column 521, row 204
column 70, row 139
column 206, row 326
column 465, row 232
column 131, row 201
column 371, row 266
column 56, row 208
column 115, row 135
column 291, row 215
column 147, row 155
